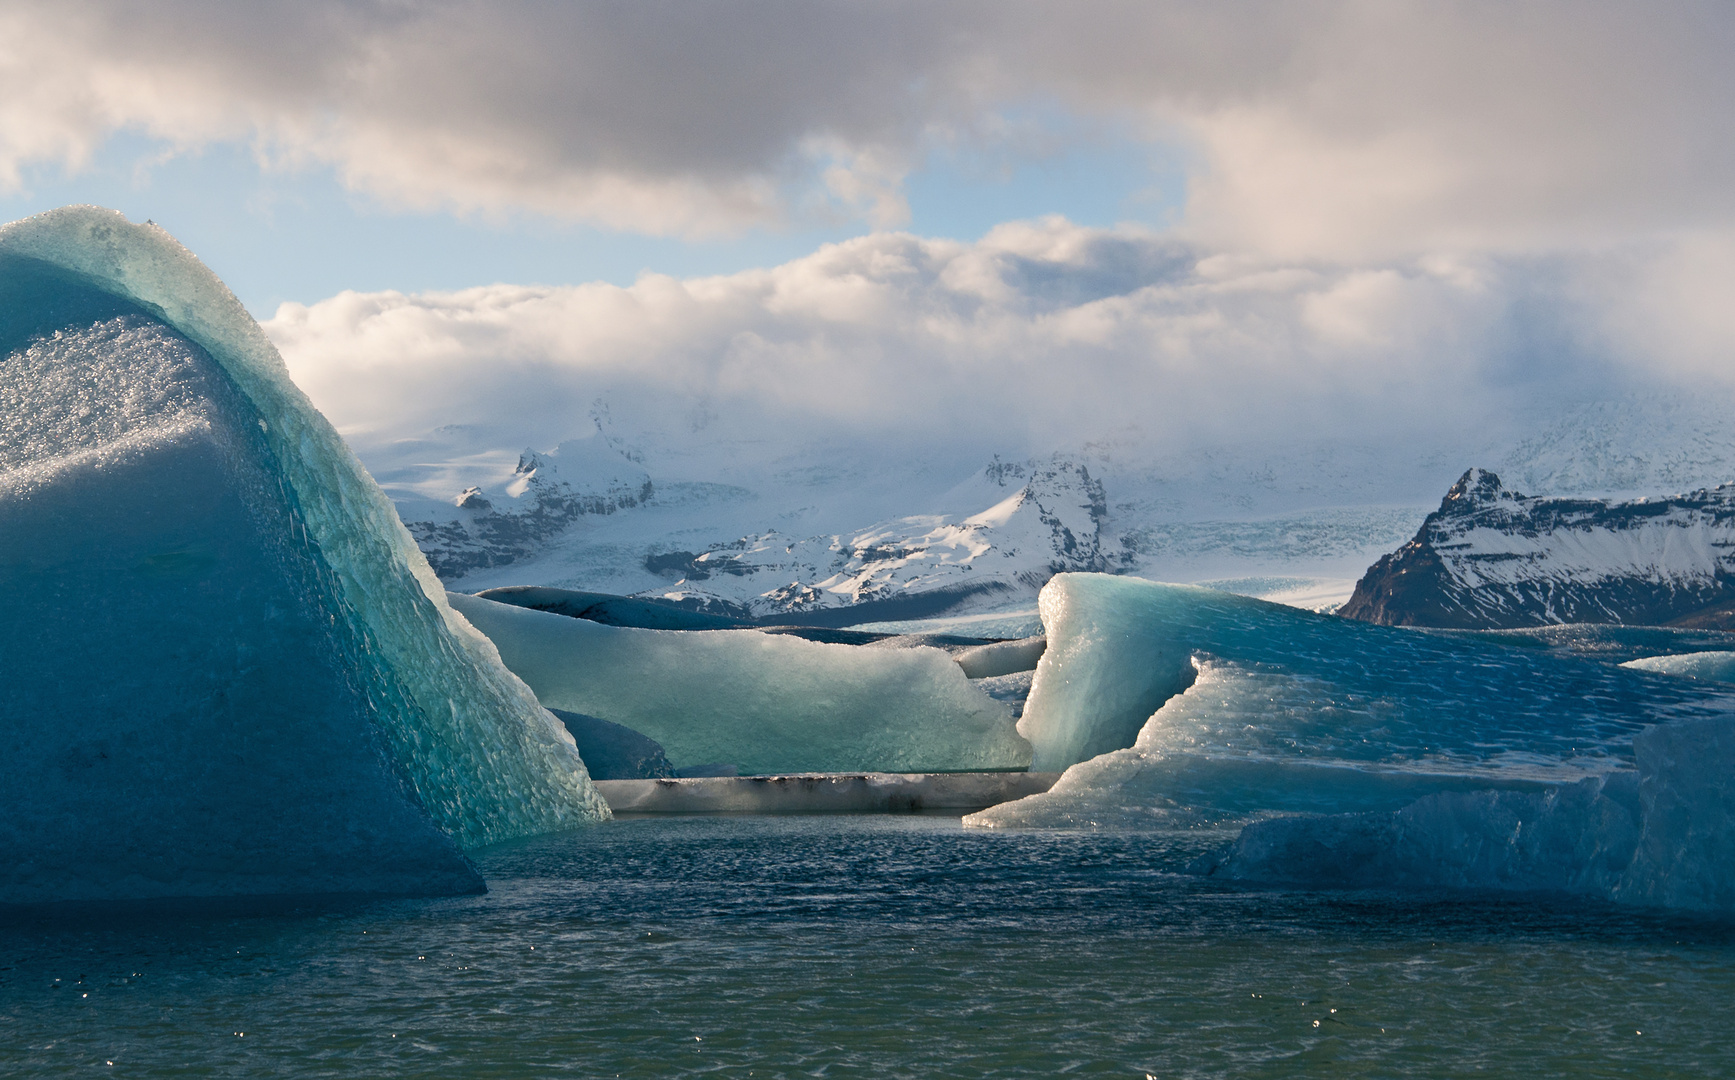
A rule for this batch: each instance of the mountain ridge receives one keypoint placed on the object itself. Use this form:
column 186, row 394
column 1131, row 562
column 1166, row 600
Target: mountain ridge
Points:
column 1492, row 558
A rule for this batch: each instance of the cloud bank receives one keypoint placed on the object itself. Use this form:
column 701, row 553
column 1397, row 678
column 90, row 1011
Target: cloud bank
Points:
column 1042, row 335
column 1403, row 220
column 1331, row 129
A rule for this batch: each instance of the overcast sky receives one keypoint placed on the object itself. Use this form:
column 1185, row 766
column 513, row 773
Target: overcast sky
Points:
column 1051, row 217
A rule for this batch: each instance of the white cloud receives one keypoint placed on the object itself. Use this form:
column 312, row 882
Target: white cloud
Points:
column 1402, row 217
column 1042, row 335
column 1328, row 129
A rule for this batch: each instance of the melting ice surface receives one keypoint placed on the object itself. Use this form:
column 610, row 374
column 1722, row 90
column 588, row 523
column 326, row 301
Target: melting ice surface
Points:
column 764, row 703
column 228, row 669
column 1236, row 709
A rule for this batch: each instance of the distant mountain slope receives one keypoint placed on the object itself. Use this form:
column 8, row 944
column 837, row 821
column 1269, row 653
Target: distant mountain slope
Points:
column 546, row 493
column 1035, row 520
column 784, row 524
column 1010, row 527
column 1491, row 558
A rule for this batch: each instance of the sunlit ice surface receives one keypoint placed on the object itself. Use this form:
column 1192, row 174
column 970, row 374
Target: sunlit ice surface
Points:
column 868, row 946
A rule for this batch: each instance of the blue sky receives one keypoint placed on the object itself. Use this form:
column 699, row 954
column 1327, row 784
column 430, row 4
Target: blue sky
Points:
column 276, row 234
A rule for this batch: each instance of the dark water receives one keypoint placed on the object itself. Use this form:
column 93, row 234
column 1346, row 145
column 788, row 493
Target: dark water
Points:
column 873, row 947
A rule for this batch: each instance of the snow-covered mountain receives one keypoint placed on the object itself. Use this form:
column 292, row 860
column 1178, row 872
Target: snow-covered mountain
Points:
column 781, row 522
column 1038, row 518
column 1017, row 524
column 544, row 495
column 1492, row 558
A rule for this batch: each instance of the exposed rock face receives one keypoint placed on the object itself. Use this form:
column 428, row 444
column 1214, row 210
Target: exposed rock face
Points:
column 1491, row 558
column 538, row 503
column 1044, row 518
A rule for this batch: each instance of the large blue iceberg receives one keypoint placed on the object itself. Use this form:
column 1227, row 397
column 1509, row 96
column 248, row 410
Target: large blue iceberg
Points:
column 1358, row 755
column 228, row 668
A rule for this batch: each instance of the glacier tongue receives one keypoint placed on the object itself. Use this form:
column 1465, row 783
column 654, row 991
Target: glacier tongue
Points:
column 765, row 703
column 229, row 669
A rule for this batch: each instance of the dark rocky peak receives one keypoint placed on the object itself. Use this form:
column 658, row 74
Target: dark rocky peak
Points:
column 1005, row 473
column 1476, row 489
column 1491, row 558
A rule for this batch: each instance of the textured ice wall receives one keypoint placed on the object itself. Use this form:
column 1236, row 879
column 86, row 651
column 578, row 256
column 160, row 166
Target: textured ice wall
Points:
column 1716, row 666
column 182, row 715
column 1686, row 849
column 766, row 703
column 168, row 496
column 1663, row 835
column 1576, row 838
column 1112, row 657
column 1288, row 710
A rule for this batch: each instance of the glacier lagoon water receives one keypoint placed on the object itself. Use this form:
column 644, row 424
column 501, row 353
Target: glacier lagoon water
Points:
column 873, row 947
column 895, row 946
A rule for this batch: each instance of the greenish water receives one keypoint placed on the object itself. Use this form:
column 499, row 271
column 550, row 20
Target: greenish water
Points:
column 873, row 947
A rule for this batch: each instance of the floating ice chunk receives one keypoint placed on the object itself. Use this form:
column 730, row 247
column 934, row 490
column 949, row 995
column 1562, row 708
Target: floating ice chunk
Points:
column 1289, row 710
column 1686, row 850
column 768, row 703
column 1002, row 657
column 1663, row 835
column 613, row 751
column 1717, row 666
column 228, row 669
column 1112, row 657
column 1225, row 749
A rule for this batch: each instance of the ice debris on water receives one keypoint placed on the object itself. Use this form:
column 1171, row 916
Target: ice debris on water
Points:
column 229, row 668
column 1718, row 666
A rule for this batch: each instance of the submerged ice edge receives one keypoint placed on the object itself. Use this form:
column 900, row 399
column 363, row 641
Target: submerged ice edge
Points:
column 485, row 759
